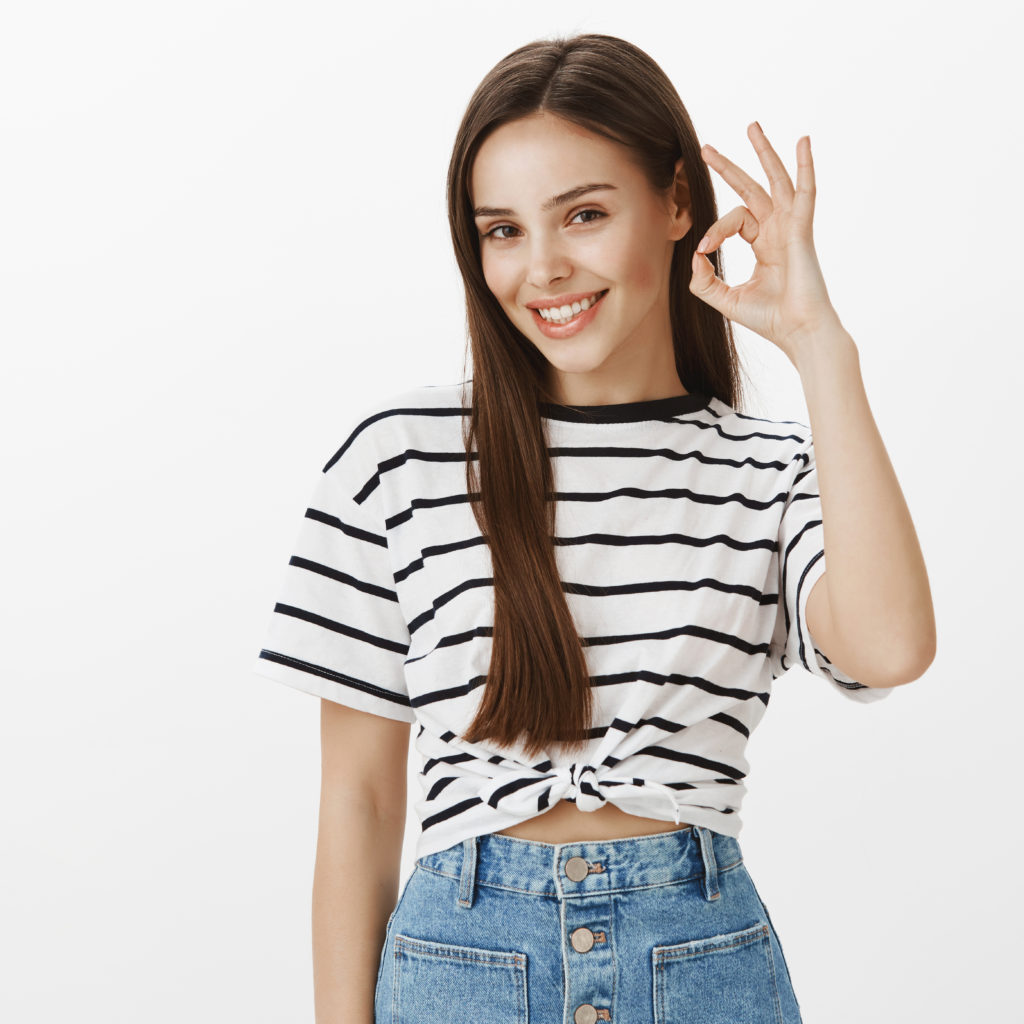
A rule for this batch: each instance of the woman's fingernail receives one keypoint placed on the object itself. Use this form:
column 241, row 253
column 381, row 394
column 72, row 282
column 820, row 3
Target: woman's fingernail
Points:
column 703, row 244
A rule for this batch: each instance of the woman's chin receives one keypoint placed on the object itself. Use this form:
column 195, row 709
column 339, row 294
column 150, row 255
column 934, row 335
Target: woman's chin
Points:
column 581, row 361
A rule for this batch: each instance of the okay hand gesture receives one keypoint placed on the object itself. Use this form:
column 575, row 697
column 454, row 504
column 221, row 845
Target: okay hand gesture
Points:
column 785, row 299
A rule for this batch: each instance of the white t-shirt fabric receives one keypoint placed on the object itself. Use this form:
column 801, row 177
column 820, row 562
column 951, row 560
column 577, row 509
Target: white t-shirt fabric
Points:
column 688, row 537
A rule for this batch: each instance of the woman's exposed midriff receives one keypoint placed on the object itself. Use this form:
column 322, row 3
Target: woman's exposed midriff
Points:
column 566, row 823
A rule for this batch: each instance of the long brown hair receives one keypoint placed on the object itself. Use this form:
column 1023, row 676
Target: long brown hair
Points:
column 537, row 689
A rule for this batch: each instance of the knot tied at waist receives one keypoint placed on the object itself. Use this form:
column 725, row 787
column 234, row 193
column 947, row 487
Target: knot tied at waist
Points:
column 526, row 791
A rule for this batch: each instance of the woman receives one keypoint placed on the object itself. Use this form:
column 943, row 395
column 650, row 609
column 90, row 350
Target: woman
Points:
column 579, row 571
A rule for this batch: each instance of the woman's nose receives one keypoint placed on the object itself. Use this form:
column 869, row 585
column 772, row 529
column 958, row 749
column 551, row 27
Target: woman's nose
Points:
column 547, row 262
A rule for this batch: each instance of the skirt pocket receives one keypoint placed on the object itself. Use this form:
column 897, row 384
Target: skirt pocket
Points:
column 442, row 983
column 719, row 980
column 387, row 930
column 778, row 941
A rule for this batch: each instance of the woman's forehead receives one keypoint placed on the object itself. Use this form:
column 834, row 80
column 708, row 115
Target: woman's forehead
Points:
column 535, row 158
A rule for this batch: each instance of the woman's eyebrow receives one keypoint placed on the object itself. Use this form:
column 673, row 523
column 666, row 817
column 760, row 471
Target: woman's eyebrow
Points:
column 551, row 204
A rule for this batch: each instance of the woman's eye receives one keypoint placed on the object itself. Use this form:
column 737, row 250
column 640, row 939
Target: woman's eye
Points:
column 493, row 233
column 498, row 227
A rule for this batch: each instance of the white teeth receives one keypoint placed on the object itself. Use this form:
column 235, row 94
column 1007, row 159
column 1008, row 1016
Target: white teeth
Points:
column 563, row 314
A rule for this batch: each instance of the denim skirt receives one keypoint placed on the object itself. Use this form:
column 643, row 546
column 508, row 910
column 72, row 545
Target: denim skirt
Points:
column 659, row 929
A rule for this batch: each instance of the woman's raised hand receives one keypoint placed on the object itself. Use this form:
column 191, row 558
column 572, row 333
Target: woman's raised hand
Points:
column 785, row 299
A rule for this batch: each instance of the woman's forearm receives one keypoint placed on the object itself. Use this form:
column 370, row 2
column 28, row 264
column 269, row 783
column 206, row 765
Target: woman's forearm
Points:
column 879, row 598
column 355, row 885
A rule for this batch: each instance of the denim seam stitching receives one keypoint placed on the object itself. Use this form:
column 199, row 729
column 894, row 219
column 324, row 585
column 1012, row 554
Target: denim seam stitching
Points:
column 633, row 888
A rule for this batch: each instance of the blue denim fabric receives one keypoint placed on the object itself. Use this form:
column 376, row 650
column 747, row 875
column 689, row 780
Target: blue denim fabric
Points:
column 659, row 929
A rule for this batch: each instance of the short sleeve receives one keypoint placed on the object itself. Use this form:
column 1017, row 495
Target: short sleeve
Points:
column 801, row 563
column 337, row 630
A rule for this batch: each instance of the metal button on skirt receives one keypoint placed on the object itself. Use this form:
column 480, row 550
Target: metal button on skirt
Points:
column 659, row 929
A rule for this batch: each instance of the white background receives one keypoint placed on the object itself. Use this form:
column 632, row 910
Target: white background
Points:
column 222, row 225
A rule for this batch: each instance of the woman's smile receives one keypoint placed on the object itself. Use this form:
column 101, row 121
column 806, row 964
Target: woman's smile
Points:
column 569, row 319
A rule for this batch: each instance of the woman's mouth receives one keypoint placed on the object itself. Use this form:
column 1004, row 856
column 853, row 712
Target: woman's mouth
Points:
column 566, row 321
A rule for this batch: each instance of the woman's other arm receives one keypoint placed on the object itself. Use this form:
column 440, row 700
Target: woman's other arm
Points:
column 358, row 856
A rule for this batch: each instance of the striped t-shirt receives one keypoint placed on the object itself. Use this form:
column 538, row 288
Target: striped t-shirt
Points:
column 687, row 537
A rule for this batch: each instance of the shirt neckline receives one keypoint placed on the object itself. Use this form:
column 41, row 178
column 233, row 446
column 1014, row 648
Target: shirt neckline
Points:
column 625, row 412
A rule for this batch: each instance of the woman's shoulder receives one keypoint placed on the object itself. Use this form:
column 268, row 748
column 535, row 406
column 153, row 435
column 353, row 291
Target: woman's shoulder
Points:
column 378, row 423
column 767, row 439
column 391, row 407
column 423, row 411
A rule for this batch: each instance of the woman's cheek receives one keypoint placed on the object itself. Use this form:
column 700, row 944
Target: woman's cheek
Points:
column 644, row 272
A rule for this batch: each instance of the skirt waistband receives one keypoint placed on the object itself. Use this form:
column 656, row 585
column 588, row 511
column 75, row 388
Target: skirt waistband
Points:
column 568, row 870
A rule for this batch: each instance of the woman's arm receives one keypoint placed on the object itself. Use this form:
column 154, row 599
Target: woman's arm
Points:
column 874, row 616
column 358, row 857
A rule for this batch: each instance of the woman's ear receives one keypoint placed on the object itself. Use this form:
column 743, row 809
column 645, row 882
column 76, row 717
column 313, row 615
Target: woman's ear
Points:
column 679, row 204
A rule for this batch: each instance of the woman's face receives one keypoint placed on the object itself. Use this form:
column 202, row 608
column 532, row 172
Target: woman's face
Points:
column 613, row 241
